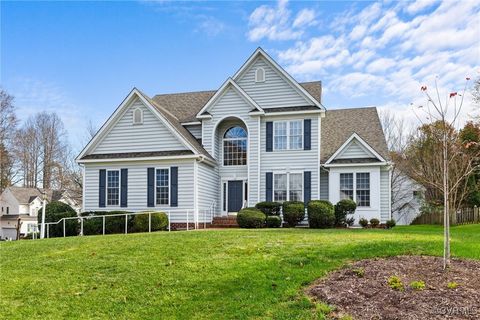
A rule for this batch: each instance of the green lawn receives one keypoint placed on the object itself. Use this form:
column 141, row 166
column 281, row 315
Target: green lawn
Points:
column 224, row 274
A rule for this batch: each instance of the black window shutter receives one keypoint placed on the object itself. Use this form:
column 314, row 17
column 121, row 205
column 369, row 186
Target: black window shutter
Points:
column 269, row 137
column 124, row 187
column 269, row 186
column 101, row 187
column 307, row 134
column 150, row 187
column 307, row 186
column 174, row 186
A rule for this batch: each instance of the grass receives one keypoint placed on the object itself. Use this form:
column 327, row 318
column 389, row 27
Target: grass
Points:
column 216, row 274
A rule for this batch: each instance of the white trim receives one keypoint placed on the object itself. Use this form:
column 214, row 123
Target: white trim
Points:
column 109, row 124
column 222, row 147
column 142, row 159
column 220, row 92
column 289, row 113
column 195, row 191
column 155, row 187
column 277, row 67
column 225, row 180
column 83, row 189
column 370, row 164
column 259, row 130
column 319, row 147
column 193, row 123
column 354, row 187
column 215, row 126
column 119, row 188
column 362, row 142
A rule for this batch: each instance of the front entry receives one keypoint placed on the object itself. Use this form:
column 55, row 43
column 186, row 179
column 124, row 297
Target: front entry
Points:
column 235, row 195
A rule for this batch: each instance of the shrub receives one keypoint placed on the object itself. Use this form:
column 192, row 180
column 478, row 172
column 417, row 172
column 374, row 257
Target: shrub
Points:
column 395, row 283
column 94, row 225
column 363, row 222
column 293, row 212
column 273, row 222
column 343, row 208
column 321, row 214
column 350, row 221
column 390, row 223
column 54, row 211
column 417, row 285
column 159, row 221
column 251, row 218
column 269, row 208
column 374, row 222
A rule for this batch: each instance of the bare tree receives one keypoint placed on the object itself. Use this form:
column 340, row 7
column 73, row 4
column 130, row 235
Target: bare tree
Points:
column 452, row 160
column 8, row 123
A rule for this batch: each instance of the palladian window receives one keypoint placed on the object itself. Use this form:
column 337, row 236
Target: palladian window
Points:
column 235, row 147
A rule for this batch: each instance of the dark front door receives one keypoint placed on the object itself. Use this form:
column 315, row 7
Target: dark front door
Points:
column 235, row 196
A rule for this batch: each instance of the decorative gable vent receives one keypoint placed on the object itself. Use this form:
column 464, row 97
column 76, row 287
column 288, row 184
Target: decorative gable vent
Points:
column 260, row 75
column 137, row 116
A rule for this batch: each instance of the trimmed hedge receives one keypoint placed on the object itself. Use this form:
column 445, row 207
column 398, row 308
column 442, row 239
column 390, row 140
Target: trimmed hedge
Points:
column 363, row 222
column 159, row 221
column 274, row 222
column 374, row 222
column 269, row 208
column 390, row 223
column 113, row 225
column 251, row 218
column 321, row 214
column 343, row 208
column 293, row 212
column 54, row 211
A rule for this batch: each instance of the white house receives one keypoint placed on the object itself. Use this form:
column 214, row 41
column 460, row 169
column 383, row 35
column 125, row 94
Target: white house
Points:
column 22, row 204
column 262, row 136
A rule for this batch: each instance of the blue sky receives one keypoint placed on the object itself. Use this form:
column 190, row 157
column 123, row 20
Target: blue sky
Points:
column 82, row 58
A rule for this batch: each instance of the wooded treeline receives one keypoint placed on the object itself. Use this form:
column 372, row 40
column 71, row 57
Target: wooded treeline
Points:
column 35, row 153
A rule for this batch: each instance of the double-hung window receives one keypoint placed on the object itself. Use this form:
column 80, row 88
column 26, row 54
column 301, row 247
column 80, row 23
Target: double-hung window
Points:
column 162, row 186
column 288, row 135
column 356, row 188
column 113, row 187
column 363, row 189
column 287, row 187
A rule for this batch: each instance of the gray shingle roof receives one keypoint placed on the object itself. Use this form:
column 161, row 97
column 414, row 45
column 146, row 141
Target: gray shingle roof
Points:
column 27, row 195
column 185, row 106
column 338, row 125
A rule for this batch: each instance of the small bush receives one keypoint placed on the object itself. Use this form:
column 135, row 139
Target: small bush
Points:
column 390, row 223
column 159, row 221
column 395, row 283
column 293, row 212
column 94, row 225
column 54, row 211
column 417, row 285
column 359, row 272
column 374, row 222
column 350, row 221
column 274, row 222
column 363, row 222
column 269, row 208
column 251, row 218
column 321, row 214
column 452, row 285
column 343, row 208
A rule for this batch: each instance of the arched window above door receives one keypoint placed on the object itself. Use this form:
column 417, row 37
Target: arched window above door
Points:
column 235, row 147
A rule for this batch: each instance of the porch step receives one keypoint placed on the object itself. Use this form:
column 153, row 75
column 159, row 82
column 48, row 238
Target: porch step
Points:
column 224, row 222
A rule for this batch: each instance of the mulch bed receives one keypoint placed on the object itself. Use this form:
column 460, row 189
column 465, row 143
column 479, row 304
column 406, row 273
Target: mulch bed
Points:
column 370, row 297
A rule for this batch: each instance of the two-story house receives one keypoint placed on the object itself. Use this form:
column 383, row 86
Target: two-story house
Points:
column 262, row 136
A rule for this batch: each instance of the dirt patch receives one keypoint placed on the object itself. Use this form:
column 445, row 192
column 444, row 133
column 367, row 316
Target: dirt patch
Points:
column 361, row 289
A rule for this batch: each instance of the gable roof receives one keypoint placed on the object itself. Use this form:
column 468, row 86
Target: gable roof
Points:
column 339, row 125
column 185, row 106
column 372, row 155
column 27, row 195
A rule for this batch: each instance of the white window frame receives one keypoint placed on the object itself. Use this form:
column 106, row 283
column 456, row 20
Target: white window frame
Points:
column 119, row 188
column 141, row 116
column 354, row 176
column 288, row 134
column 169, row 187
column 233, row 139
column 256, row 74
column 288, row 184
column 224, row 182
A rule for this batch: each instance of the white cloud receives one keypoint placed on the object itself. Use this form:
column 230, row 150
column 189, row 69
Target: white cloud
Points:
column 210, row 26
column 304, row 17
column 419, row 5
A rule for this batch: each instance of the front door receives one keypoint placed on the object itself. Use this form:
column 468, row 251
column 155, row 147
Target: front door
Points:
column 235, row 195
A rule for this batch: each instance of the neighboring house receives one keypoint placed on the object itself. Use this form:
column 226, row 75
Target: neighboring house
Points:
column 262, row 136
column 407, row 198
column 23, row 203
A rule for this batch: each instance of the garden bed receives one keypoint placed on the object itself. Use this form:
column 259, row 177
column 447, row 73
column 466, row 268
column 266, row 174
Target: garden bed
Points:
column 361, row 290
